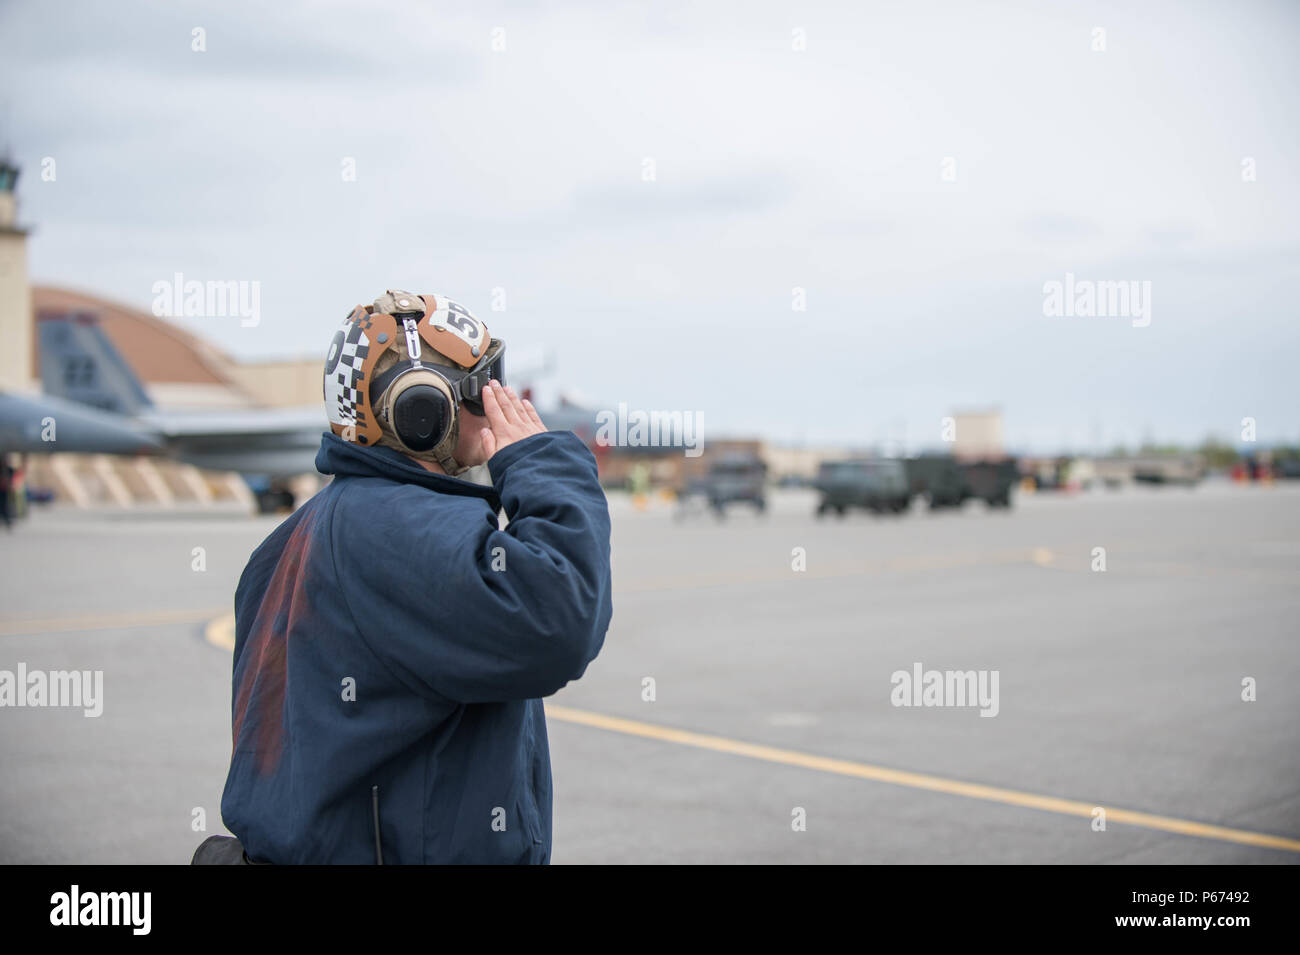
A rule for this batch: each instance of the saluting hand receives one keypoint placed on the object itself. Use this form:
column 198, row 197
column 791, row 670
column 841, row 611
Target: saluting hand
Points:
column 509, row 418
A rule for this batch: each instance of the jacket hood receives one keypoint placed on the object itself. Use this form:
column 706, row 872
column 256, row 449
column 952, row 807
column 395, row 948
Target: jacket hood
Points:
column 347, row 459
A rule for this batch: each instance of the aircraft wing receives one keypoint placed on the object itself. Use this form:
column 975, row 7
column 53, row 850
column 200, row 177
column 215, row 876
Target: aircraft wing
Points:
column 276, row 442
column 251, row 422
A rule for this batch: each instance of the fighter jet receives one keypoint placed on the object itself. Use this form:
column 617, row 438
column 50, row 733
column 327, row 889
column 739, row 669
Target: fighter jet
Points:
column 94, row 404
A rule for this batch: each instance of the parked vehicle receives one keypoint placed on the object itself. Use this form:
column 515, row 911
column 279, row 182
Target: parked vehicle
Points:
column 938, row 479
column 732, row 479
column 991, row 480
column 945, row 481
column 876, row 484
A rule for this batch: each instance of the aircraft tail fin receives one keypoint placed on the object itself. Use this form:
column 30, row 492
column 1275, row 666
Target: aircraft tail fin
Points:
column 80, row 363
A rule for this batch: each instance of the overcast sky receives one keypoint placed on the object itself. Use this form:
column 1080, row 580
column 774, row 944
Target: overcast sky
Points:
column 775, row 168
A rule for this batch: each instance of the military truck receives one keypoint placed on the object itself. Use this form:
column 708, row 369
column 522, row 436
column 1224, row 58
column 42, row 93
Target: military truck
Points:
column 945, row 481
column 938, row 479
column 991, row 480
column 732, row 479
column 875, row 484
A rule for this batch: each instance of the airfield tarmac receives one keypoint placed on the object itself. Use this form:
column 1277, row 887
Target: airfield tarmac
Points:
column 1119, row 690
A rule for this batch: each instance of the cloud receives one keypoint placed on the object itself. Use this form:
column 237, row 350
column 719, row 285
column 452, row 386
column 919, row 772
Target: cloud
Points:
column 1049, row 227
column 632, row 203
column 774, row 169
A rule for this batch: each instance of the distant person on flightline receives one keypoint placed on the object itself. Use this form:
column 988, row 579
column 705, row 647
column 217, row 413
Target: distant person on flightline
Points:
column 6, row 489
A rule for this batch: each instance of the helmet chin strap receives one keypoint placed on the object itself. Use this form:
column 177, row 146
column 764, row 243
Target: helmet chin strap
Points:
column 443, row 451
column 441, row 454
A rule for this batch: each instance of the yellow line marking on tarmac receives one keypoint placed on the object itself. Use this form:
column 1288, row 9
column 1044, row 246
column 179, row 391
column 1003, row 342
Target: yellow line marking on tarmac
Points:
column 221, row 633
column 18, row 626
column 1151, row 568
column 939, row 784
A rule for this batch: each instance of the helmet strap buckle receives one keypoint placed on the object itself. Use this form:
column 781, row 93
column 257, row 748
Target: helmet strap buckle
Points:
column 412, row 341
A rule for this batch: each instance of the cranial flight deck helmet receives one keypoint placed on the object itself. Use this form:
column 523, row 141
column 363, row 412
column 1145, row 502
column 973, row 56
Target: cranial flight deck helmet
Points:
column 398, row 371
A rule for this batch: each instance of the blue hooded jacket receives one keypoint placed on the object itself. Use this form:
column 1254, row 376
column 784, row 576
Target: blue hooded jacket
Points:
column 389, row 634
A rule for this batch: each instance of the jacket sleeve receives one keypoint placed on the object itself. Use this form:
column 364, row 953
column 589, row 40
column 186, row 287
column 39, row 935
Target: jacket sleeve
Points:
column 453, row 605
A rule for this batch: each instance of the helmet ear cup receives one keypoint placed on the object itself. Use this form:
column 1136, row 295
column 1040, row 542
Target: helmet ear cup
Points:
column 421, row 412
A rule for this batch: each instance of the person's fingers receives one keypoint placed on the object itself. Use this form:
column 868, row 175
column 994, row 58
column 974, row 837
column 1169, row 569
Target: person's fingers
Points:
column 489, row 443
column 533, row 416
column 492, row 408
column 518, row 405
column 503, row 401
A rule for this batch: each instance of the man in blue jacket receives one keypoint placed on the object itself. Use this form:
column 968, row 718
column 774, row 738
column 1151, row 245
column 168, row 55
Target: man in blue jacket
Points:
column 392, row 642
